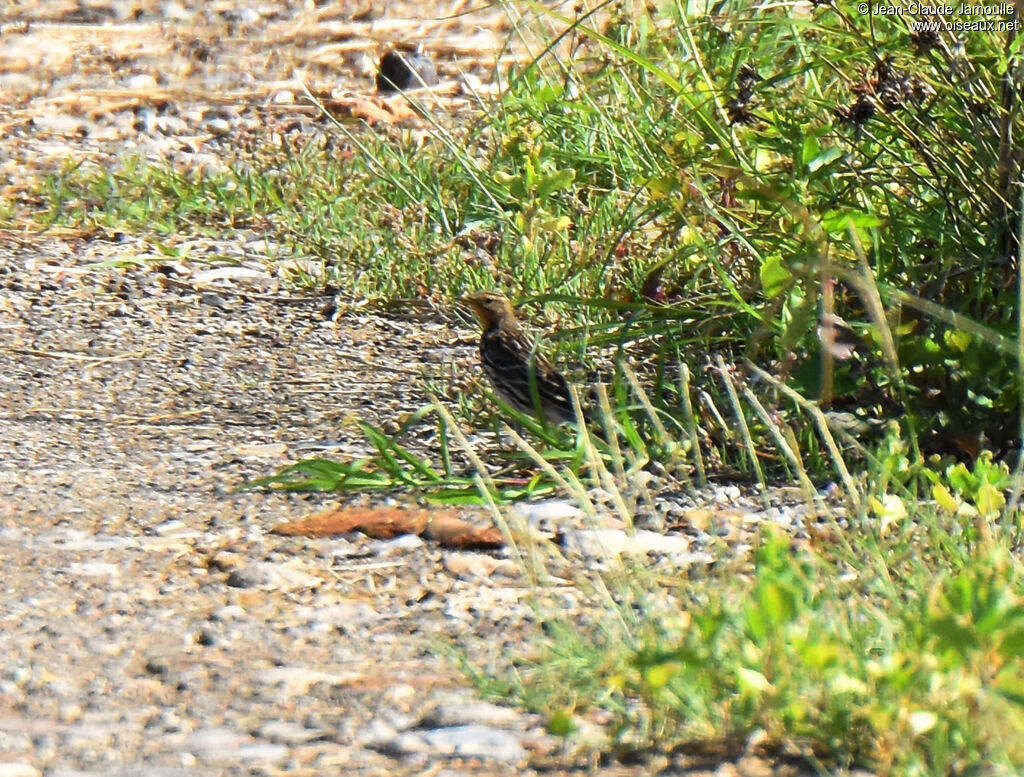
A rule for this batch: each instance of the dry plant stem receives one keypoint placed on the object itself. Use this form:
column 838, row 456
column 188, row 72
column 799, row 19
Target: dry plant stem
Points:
column 485, row 484
column 748, row 440
column 1008, row 173
column 663, row 436
column 709, row 404
column 604, row 478
column 828, row 365
column 955, row 320
column 576, row 490
column 571, row 485
column 791, row 453
column 823, row 429
column 613, row 439
column 691, row 425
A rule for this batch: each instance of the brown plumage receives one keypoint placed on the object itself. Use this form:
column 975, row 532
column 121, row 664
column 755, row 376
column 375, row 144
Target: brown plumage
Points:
column 520, row 374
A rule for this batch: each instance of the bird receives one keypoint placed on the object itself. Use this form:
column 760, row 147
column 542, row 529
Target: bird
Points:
column 521, row 375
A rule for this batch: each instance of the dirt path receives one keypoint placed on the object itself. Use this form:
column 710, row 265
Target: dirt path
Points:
column 150, row 624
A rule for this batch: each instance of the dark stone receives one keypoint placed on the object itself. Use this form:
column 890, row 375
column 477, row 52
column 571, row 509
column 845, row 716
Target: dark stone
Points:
column 399, row 70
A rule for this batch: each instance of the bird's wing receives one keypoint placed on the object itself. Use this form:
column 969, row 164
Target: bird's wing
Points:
column 507, row 355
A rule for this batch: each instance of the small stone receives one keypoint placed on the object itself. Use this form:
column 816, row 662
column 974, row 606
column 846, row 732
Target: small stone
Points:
column 549, row 513
column 399, row 546
column 401, row 70
column 285, row 732
column 471, row 565
column 213, row 300
column 18, row 769
column 377, row 734
column 241, row 15
column 59, row 124
column 607, row 543
column 476, row 741
column 95, row 569
column 175, row 11
column 228, row 613
column 262, row 753
column 213, row 740
column 11, row 535
column 217, row 126
column 140, row 82
column 172, row 528
column 479, row 712
column 270, row 577
column 170, row 125
column 297, row 680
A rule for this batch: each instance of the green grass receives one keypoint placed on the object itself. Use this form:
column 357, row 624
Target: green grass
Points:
column 681, row 187
column 688, row 193
column 902, row 655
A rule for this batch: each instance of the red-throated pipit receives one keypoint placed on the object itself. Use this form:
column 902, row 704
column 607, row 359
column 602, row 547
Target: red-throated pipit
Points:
column 520, row 374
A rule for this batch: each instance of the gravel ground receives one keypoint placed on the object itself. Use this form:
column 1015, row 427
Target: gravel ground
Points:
column 151, row 623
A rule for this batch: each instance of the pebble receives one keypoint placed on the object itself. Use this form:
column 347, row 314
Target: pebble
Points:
column 174, row 528
column 475, row 741
column 286, row 732
column 270, row 577
column 94, row 569
column 297, row 680
column 174, row 11
column 399, row 546
column 61, row 124
column 549, row 514
column 18, row 769
column 400, row 70
column 260, row 753
column 243, row 15
column 608, row 543
column 449, row 714
column 213, row 740
column 217, row 126
column 170, row 125
column 140, row 82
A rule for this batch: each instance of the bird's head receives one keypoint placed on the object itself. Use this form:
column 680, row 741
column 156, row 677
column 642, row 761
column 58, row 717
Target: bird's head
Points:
column 491, row 307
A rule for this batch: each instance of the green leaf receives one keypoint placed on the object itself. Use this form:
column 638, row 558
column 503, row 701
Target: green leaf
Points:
column 775, row 278
column 659, row 675
column 841, row 221
column 830, row 154
column 990, row 500
column 751, row 682
column 561, row 724
column 556, row 181
column 944, row 499
column 810, row 150
column 958, row 339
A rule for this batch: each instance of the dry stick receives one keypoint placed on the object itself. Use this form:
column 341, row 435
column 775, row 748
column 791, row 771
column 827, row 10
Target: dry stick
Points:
column 81, row 357
column 608, row 480
column 828, row 367
column 482, row 478
column 691, row 424
column 663, row 436
column 748, row 440
column 822, row 423
column 580, row 495
column 791, row 453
